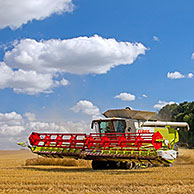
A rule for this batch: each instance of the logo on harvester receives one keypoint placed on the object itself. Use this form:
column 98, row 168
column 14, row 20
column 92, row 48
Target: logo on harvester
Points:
column 143, row 131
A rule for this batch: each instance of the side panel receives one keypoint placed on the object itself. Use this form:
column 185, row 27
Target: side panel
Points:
column 163, row 131
column 173, row 135
column 170, row 135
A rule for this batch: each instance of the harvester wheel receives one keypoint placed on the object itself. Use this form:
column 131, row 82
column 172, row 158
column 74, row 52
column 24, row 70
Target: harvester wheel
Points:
column 111, row 165
column 123, row 165
column 97, row 164
column 132, row 165
column 137, row 166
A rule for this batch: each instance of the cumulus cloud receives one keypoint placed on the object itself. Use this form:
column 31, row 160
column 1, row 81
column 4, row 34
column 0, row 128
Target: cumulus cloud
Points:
column 65, row 126
column 28, row 82
column 14, row 13
column 11, row 123
column 162, row 104
column 32, row 67
column 75, row 127
column 190, row 75
column 86, row 107
column 144, row 95
column 155, row 38
column 125, row 96
column 63, row 82
column 175, row 75
column 192, row 56
column 42, row 126
column 30, row 116
column 82, row 55
column 178, row 75
column 15, row 127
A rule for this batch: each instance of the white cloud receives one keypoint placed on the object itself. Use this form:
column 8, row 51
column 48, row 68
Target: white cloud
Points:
column 125, row 96
column 155, row 38
column 75, row 127
column 162, row 104
column 32, row 67
column 66, row 126
column 28, row 82
column 11, row 123
column 15, row 13
column 175, row 75
column 192, row 56
column 64, row 82
column 178, row 75
column 144, row 95
column 86, row 107
column 82, row 55
column 190, row 75
column 30, row 116
column 42, row 126
column 15, row 128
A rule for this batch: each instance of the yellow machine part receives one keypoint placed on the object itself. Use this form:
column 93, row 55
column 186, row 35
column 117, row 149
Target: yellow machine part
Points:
column 168, row 133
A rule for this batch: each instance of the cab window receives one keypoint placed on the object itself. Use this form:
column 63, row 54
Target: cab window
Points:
column 119, row 126
column 106, row 127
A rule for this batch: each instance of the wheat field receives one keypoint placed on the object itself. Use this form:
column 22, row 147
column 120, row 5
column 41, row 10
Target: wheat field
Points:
column 23, row 172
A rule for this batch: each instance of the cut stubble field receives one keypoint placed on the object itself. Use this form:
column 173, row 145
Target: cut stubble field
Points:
column 18, row 174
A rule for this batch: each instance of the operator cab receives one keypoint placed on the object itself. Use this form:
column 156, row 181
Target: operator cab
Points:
column 113, row 125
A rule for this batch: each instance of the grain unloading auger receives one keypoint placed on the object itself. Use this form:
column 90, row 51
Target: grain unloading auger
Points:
column 124, row 139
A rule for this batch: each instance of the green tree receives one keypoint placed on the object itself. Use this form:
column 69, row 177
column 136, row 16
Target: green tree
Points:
column 183, row 112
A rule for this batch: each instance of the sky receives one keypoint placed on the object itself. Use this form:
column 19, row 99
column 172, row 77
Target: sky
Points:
column 64, row 62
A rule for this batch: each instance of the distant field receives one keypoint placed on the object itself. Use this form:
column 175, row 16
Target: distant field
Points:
column 78, row 177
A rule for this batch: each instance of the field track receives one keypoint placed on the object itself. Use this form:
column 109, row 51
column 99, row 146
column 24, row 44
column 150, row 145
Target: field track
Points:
column 16, row 177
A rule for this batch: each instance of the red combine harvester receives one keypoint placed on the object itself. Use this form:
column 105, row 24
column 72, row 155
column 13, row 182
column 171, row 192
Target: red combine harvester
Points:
column 124, row 139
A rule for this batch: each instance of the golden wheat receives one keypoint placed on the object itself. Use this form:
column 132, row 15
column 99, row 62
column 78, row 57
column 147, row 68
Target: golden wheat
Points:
column 57, row 162
column 16, row 177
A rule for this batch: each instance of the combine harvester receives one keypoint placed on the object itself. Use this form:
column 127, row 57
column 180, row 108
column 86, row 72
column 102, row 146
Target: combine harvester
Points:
column 124, row 139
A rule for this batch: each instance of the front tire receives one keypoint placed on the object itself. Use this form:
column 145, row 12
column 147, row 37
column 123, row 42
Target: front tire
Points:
column 97, row 164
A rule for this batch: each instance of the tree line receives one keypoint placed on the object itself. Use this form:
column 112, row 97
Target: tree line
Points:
column 183, row 112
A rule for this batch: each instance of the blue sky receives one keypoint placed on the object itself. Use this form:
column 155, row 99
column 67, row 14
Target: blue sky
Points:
column 64, row 62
